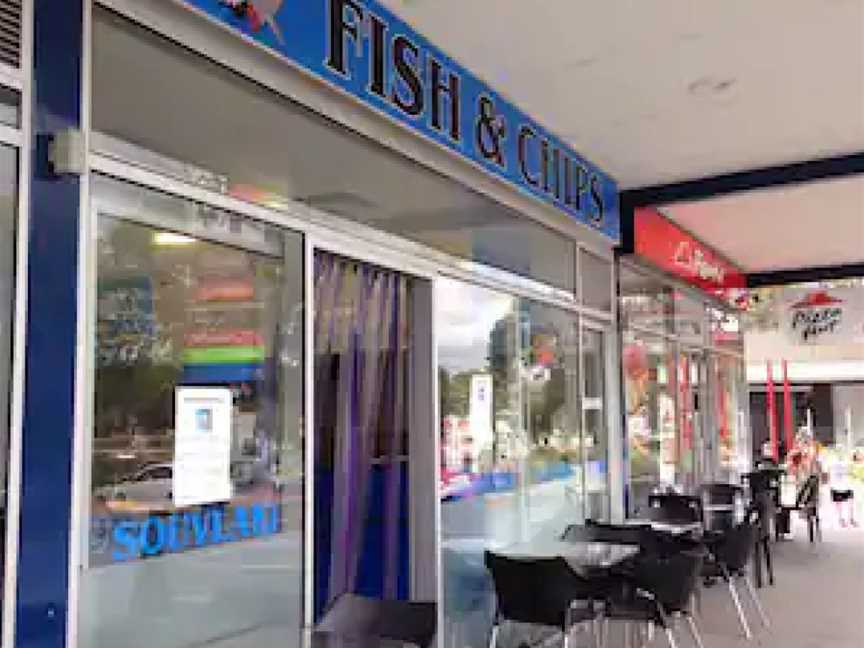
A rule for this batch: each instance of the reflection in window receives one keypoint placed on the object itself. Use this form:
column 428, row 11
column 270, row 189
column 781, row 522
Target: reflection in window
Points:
column 692, row 444
column 556, row 455
column 729, row 403
column 8, row 211
column 689, row 318
column 275, row 152
column 644, row 301
column 196, row 470
column 725, row 331
column 596, row 281
column 513, row 456
column 649, row 382
column 596, row 439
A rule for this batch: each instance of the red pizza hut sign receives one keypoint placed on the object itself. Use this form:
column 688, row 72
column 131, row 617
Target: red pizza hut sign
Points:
column 673, row 249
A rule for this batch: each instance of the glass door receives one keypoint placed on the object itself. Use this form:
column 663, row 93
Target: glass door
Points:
column 195, row 494
column 595, row 436
column 513, row 456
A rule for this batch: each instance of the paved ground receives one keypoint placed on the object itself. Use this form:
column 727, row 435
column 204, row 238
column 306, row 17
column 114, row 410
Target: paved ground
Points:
column 817, row 602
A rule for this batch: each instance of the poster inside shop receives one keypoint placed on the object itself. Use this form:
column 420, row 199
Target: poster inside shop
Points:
column 202, row 446
column 480, row 410
column 814, row 316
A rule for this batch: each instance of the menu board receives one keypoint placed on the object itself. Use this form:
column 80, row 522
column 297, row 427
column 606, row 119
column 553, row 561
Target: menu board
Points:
column 126, row 326
column 202, row 446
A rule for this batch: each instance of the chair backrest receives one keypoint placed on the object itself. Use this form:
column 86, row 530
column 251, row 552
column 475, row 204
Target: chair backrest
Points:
column 736, row 545
column 537, row 591
column 674, row 507
column 671, row 579
column 765, row 479
column 721, row 493
column 352, row 615
column 765, row 508
column 809, row 493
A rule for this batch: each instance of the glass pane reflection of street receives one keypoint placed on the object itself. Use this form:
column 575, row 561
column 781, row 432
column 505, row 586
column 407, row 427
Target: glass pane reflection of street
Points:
column 514, row 459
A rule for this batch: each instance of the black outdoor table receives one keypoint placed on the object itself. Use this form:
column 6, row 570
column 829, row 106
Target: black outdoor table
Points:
column 581, row 556
column 324, row 639
column 674, row 528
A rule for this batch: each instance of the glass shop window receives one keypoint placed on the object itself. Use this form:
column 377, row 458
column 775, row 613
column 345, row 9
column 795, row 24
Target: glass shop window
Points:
column 644, row 301
column 266, row 149
column 196, row 466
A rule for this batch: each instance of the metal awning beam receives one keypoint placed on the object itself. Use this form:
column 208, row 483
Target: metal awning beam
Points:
column 764, row 178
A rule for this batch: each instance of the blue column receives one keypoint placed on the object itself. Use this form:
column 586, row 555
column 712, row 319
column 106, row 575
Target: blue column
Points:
column 52, row 303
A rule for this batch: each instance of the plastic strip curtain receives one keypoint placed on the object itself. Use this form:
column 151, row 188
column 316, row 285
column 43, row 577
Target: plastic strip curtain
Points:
column 361, row 332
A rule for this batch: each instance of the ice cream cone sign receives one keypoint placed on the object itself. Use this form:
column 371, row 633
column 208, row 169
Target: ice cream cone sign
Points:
column 258, row 13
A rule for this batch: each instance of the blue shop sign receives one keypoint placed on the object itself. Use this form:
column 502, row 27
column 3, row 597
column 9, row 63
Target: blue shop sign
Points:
column 362, row 48
column 160, row 534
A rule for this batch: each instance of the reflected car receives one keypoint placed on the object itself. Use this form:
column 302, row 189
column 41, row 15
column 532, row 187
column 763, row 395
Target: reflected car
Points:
column 152, row 483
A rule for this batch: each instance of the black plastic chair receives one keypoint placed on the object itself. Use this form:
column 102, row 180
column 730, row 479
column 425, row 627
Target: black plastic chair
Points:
column 718, row 494
column 352, row 615
column 807, row 501
column 662, row 591
column 544, row 592
column 673, row 507
column 763, row 504
column 730, row 555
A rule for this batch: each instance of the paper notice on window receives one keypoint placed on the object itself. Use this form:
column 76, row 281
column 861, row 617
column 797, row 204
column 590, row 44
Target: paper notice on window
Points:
column 202, row 446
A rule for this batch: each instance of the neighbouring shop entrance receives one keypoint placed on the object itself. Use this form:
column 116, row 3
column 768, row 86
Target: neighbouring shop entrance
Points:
column 686, row 413
column 273, row 303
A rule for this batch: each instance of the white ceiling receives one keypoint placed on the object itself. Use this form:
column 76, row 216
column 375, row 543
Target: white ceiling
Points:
column 808, row 225
column 662, row 91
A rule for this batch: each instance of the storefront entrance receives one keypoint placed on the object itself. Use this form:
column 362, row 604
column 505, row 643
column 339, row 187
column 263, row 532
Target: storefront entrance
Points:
column 364, row 339
column 310, row 356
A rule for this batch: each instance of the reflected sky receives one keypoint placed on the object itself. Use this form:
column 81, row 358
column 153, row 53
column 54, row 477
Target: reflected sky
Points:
column 465, row 316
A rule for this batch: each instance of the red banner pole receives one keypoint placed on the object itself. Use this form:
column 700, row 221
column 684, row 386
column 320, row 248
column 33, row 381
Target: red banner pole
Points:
column 787, row 408
column 687, row 428
column 772, row 415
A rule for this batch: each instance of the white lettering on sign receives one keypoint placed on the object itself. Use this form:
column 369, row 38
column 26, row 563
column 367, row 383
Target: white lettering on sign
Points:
column 693, row 260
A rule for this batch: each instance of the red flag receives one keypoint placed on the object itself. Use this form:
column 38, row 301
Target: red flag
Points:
column 787, row 408
column 772, row 415
column 687, row 425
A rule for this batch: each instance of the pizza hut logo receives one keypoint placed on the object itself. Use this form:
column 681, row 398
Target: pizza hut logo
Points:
column 257, row 13
column 691, row 258
column 817, row 315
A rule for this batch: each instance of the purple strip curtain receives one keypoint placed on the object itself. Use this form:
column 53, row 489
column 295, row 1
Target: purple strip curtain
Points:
column 362, row 364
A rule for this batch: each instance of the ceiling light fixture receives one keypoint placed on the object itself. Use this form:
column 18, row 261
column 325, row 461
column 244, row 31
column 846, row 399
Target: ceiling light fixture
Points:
column 172, row 239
